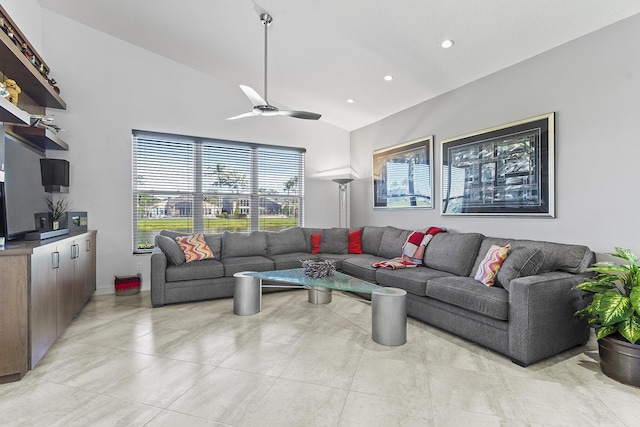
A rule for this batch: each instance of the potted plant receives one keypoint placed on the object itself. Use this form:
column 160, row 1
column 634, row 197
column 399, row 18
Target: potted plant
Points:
column 615, row 310
column 57, row 210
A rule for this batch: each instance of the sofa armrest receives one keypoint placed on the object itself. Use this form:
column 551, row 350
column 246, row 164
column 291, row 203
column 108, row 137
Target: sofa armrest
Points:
column 541, row 316
column 158, row 277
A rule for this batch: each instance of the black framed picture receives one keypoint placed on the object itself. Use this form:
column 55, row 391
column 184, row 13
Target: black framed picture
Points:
column 505, row 170
column 403, row 175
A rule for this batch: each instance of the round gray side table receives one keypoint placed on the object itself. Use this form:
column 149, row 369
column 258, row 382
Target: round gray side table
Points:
column 247, row 294
column 389, row 316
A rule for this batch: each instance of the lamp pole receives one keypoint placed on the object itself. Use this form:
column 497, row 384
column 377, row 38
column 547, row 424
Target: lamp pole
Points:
column 342, row 201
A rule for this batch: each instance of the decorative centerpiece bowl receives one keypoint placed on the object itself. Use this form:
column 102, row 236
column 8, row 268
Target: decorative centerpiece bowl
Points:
column 318, row 269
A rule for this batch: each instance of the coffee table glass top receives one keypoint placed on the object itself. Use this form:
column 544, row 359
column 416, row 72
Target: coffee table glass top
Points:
column 338, row 281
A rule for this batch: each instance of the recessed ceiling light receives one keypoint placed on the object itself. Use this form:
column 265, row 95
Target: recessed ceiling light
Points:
column 388, row 77
column 447, row 44
column 350, row 101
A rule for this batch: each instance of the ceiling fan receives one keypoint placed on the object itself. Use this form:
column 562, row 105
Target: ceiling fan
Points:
column 260, row 105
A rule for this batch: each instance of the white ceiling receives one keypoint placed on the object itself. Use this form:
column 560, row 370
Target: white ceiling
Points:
column 322, row 52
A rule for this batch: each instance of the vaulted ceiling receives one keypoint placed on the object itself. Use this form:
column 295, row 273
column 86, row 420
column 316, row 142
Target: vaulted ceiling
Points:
column 322, row 53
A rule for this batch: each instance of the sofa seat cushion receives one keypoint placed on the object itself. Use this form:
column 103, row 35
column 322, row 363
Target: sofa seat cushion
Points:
column 235, row 265
column 293, row 260
column 468, row 293
column 413, row 280
column 360, row 266
column 338, row 258
column 203, row 269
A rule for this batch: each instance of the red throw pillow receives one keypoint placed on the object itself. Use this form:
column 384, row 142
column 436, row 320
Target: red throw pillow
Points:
column 315, row 243
column 355, row 242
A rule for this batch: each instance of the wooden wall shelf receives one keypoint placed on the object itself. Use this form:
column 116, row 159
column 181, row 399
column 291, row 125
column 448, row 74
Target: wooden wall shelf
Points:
column 16, row 66
column 44, row 139
column 9, row 113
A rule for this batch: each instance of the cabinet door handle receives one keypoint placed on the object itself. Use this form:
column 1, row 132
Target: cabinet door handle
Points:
column 55, row 260
column 73, row 251
column 88, row 245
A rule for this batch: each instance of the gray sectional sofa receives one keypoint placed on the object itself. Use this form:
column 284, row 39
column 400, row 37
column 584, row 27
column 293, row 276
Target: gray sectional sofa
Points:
column 528, row 315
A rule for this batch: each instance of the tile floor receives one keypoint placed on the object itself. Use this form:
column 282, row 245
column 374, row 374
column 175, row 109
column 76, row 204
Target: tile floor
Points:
column 124, row 363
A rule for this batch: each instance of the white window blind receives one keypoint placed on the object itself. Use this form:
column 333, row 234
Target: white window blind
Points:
column 197, row 185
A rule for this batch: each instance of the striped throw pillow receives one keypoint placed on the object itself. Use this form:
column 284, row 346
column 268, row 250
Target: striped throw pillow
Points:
column 194, row 247
column 488, row 268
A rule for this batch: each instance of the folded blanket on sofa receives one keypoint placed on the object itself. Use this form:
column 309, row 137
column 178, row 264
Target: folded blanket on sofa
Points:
column 412, row 250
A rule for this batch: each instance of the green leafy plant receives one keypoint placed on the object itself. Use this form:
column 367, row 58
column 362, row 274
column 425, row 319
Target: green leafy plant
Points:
column 59, row 208
column 616, row 301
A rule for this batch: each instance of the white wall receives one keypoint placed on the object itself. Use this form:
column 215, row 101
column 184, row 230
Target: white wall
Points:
column 593, row 85
column 111, row 87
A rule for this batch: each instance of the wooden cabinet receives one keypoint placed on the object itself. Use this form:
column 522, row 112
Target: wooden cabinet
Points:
column 14, row 342
column 42, row 288
column 44, row 301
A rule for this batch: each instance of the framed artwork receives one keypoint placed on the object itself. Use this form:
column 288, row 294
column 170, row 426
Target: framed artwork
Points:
column 403, row 175
column 505, row 170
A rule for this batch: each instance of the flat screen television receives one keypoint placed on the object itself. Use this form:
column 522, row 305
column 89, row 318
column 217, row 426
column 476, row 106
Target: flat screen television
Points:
column 22, row 194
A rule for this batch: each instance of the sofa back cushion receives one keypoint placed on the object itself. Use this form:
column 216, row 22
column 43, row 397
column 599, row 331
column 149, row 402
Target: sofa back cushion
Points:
column 287, row 241
column 522, row 261
column 555, row 256
column 240, row 244
column 171, row 249
column 391, row 242
column 371, row 237
column 562, row 257
column 214, row 241
column 454, row 253
column 308, row 231
column 334, row 241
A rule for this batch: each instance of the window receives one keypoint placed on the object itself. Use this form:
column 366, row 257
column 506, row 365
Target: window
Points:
column 198, row 185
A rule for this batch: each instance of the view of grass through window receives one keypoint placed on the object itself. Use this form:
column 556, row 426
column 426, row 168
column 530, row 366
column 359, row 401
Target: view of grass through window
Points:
column 196, row 185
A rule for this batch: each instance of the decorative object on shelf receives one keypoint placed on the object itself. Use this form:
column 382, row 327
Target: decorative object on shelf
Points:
column 504, row 170
column 58, row 209
column 12, row 36
column 615, row 310
column 16, row 36
column 3, row 91
column 14, row 90
column 42, row 121
column 318, row 269
column 343, row 210
column 403, row 175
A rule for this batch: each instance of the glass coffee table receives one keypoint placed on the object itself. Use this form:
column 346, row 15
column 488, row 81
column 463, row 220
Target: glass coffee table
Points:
column 388, row 305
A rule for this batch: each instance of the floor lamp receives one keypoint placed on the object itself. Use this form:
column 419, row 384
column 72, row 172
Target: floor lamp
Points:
column 342, row 201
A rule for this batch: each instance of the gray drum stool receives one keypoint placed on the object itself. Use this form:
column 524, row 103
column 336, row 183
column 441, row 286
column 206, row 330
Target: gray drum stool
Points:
column 389, row 316
column 247, row 294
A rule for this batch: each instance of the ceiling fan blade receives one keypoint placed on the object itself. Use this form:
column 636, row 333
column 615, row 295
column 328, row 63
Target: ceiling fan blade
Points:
column 253, row 96
column 243, row 115
column 300, row 114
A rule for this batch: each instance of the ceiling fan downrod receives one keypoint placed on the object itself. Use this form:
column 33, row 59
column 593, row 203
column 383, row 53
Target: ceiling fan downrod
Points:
column 266, row 20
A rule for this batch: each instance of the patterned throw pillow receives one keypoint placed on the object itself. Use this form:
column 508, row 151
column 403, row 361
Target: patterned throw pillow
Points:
column 488, row 268
column 194, row 247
